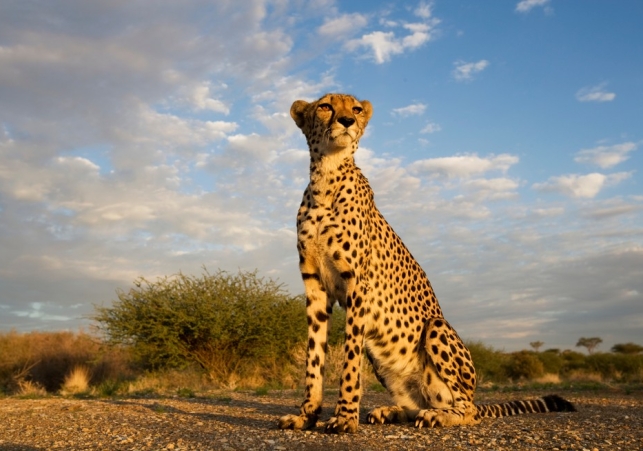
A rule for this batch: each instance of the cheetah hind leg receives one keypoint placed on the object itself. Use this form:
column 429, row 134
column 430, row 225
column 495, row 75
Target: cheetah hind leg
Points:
column 461, row 415
column 450, row 379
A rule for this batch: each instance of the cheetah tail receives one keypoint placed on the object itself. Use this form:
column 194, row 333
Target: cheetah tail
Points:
column 549, row 403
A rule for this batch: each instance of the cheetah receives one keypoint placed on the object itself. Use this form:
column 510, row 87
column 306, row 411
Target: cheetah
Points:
column 348, row 253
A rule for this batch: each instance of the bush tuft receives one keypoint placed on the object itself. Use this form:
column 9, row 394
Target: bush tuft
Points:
column 227, row 324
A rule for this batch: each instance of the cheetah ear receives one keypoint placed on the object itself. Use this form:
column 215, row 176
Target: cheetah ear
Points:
column 367, row 109
column 298, row 112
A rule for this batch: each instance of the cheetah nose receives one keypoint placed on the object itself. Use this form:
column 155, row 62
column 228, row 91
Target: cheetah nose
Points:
column 346, row 121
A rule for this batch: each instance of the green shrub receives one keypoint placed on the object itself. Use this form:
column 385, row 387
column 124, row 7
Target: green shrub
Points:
column 337, row 326
column 488, row 362
column 572, row 361
column 552, row 362
column 524, row 365
column 220, row 321
column 617, row 367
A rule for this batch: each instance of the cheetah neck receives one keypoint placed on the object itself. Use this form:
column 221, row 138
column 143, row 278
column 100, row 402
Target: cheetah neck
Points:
column 331, row 166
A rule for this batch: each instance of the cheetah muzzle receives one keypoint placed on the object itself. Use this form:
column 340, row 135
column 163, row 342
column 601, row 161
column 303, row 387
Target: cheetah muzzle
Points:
column 349, row 254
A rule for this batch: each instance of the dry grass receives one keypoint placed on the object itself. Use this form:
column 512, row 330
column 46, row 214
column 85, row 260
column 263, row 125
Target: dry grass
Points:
column 37, row 363
column 30, row 389
column 548, row 378
column 76, row 381
column 47, row 359
column 584, row 376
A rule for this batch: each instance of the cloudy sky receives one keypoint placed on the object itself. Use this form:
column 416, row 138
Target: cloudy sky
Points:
column 144, row 138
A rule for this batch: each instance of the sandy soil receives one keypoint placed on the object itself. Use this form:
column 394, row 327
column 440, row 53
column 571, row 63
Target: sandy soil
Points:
column 226, row 420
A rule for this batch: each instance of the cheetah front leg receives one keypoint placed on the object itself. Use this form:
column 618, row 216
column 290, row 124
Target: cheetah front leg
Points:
column 346, row 417
column 317, row 312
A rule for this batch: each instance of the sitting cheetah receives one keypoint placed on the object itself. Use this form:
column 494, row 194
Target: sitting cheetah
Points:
column 348, row 253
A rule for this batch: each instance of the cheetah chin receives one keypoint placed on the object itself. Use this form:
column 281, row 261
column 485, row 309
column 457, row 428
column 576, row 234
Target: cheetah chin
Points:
column 349, row 254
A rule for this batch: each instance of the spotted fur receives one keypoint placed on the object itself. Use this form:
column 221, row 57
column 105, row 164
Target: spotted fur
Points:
column 348, row 253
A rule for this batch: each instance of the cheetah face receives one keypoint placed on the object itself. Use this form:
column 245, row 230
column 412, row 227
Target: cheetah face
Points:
column 332, row 123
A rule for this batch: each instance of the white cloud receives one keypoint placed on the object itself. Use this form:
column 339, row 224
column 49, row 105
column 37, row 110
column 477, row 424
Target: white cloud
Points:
column 431, row 127
column 524, row 6
column 411, row 110
column 492, row 189
column 595, row 94
column 606, row 156
column 384, row 45
column 424, row 10
column 342, row 26
column 581, row 186
column 465, row 71
column 201, row 99
column 464, row 166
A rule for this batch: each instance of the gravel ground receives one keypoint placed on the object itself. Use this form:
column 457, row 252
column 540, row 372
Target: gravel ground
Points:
column 245, row 421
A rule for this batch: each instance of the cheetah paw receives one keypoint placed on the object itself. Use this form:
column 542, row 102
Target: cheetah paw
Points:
column 382, row 415
column 340, row 424
column 429, row 419
column 297, row 422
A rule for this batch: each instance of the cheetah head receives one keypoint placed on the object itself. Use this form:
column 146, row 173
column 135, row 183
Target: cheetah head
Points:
column 333, row 123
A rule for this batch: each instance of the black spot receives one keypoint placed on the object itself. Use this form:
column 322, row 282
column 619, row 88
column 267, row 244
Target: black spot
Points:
column 321, row 317
column 311, row 343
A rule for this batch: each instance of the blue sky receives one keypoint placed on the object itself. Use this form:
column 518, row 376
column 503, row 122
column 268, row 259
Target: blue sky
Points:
column 147, row 138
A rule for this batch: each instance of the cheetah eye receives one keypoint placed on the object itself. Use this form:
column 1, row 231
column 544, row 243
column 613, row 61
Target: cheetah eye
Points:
column 357, row 110
column 325, row 107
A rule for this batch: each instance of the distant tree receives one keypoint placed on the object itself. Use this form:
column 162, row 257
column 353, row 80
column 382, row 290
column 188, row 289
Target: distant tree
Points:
column 589, row 343
column 627, row 348
column 553, row 350
column 536, row 345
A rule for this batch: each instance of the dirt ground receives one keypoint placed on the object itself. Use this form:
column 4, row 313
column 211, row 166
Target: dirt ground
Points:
column 228, row 420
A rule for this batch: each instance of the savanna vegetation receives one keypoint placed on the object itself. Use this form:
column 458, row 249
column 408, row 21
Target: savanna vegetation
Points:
column 186, row 334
